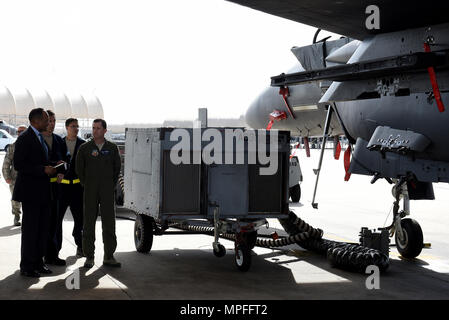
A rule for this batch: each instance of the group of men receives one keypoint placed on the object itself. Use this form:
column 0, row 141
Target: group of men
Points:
column 48, row 174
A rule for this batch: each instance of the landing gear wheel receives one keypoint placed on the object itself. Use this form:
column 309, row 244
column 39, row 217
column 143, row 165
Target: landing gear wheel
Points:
column 221, row 251
column 295, row 193
column 412, row 244
column 242, row 257
column 143, row 233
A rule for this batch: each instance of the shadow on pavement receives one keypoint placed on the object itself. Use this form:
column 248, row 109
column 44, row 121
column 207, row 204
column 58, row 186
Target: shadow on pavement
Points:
column 10, row 231
column 196, row 274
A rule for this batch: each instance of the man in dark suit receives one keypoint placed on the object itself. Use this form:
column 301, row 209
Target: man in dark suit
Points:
column 70, row 189
column 33, row 190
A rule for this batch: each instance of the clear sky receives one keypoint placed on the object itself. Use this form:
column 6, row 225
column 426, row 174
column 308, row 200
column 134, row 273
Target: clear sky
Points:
column 147, row 60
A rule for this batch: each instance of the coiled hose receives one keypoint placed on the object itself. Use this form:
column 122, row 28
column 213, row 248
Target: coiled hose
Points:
column 121, row 181
column 347, row 256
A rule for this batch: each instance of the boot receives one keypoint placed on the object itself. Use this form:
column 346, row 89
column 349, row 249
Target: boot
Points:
column 111, row 262
column 89, row 263
column 79, row 252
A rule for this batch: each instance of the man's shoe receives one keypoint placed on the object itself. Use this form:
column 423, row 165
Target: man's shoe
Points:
column 44, row 269
column 17, row 220
column 56, row 262
column 30, row 274
column 89, row 263
column 111, row 262
column 79, row 252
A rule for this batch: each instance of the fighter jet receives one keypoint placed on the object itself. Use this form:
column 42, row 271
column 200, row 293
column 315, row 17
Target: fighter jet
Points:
column 384, row 85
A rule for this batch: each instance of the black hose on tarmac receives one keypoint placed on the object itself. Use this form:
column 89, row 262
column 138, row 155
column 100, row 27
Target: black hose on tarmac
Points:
column 347, row 256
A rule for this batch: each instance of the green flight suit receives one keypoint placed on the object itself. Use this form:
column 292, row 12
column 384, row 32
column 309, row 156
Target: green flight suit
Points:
column 98, row 171
column 10, row 174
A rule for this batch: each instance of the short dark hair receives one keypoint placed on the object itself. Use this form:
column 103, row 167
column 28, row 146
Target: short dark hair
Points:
column 36, row 114
column 69, row 121
column 103, row 123
column 50, row 113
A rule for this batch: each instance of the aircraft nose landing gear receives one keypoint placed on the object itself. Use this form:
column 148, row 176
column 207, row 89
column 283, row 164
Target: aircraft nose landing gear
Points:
column 410, row 242
column 407, row 232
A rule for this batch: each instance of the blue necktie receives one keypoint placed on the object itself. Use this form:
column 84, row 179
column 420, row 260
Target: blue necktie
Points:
column 44, row 145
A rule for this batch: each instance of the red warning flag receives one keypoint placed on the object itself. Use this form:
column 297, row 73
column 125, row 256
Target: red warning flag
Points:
column 347, row 162
column 306, row 146
column 433, row 81
column 337, row 151
column 276, row 115
column 284, row 92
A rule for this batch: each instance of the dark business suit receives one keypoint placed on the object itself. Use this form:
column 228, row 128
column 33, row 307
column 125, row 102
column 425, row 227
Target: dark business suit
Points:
column 32, row 189
column 71, row 195
column 56, row 153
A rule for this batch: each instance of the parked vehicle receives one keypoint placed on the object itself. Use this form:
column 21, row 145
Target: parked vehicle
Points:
column 5, row 140
column 7, row 127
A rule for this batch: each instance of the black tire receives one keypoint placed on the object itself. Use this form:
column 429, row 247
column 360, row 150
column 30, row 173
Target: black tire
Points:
column 143, row 233
column 6, row 148
column 250, row 239
column 221, row 251
column 242, row 257
column 412, row 245
column 295, row 193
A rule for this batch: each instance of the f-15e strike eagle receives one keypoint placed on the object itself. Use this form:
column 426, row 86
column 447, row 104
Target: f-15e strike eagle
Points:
column 384, row 85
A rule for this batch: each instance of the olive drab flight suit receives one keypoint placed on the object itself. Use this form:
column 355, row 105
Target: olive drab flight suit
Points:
column 98, row 171
column 10, row 174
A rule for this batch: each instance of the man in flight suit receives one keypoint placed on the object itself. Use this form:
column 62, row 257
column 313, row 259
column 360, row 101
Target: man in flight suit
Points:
column 98, row 167
column 70, row 189
column 10, row 176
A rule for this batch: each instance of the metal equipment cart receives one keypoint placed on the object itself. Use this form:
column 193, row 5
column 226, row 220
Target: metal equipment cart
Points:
column 228, row 198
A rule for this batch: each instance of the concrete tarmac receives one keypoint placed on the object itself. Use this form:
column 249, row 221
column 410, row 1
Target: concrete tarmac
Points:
column 184, row 267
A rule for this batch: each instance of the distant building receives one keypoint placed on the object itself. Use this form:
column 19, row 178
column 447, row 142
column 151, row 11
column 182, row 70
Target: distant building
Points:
column 16, row 104
column 212, row 122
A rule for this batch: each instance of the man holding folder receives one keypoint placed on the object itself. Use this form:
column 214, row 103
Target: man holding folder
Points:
column 32, row 189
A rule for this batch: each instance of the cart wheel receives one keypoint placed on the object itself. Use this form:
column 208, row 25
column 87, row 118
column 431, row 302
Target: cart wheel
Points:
column 250, row 239
column 221, row 251
column 143, row 233
column 242, row 257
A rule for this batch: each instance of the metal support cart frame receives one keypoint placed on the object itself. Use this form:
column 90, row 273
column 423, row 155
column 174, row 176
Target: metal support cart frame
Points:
column 226, row 198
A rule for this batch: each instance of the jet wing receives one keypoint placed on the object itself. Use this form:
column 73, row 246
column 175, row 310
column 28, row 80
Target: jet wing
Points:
column 348, row 17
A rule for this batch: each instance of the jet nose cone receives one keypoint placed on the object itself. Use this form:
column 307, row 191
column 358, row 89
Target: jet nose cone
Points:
column 253, row 116
column 258, row 114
